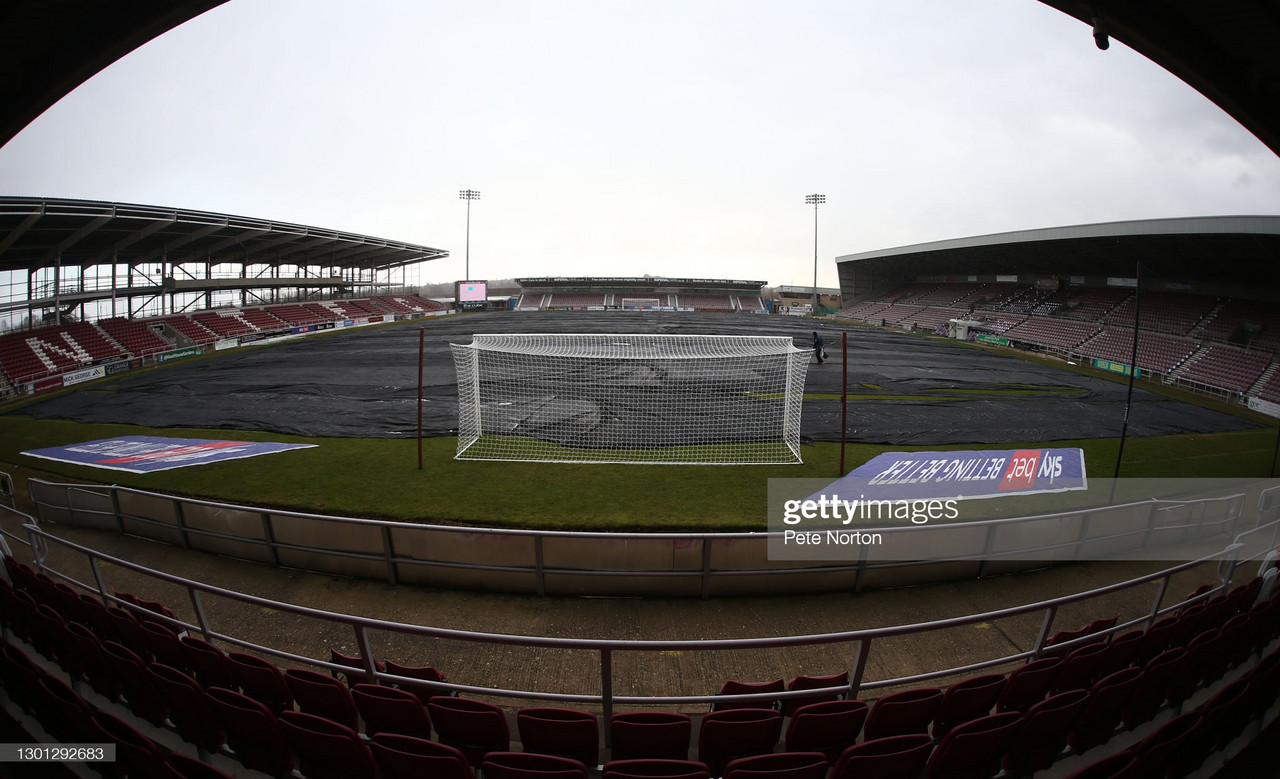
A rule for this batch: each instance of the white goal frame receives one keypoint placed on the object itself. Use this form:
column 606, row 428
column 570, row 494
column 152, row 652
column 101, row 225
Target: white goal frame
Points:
column 642, row 303
column 628, row 398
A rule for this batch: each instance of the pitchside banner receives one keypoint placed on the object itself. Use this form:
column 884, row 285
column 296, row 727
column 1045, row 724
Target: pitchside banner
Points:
column 145, row 454
column 934, row 507
column 965, row 475
column 920, row 491
column 922, row 487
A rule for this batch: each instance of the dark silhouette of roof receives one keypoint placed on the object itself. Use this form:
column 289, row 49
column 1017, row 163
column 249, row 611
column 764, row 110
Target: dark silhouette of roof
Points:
column 1226, row 50
column 49, row 48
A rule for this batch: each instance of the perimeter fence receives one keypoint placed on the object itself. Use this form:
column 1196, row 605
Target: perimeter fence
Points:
column 548, row 562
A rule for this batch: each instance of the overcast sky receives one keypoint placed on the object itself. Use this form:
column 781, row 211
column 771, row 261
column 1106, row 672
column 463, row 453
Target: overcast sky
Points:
column 665, row 137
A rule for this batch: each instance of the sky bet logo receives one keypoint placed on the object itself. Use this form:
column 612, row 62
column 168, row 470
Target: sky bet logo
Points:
column 1028, row 465
column 964, row 474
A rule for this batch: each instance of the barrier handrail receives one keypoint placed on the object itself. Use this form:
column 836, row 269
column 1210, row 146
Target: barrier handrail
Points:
column 431, row 557
column 23, row 517
column 676, row 535
column 615, row 644
column 864, row 638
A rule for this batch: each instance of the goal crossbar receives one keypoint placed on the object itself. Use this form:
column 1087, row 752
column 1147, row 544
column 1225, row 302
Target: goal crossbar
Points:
column 592, row 346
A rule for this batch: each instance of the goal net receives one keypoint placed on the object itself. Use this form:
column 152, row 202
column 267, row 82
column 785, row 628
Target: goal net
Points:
column 679, row 399
column 641, row 303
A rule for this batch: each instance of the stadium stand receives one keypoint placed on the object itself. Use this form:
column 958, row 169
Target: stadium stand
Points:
column 531, row 302
column 649, row 292
column 867, row 311
column 1185, row 337
column 352, row 309
column 580, row 300
column 704, row 302
column 1224, row 367
column 262, row 320
column 188, row 328
column 136, row 337
column 934, row 317
column 404, row 304
column 225, row 325
column 92, row 341
column 40, row 355
column 999, row 296
column 20, row 362
column 946, row 295
column 1214, row 677
column 1269, row 389
column 899, row 314
column 1246, row 323
column 1054, row 334
column 325, row 313
column 296, row 315
column 32, row 355
column 998, row 322
column 1157, row 352
column 1166, row 312
column 910, row 293
column 1204, row 361
column 1091, row 304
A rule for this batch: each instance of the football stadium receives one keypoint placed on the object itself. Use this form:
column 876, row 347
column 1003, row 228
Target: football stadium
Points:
column 1002, row 505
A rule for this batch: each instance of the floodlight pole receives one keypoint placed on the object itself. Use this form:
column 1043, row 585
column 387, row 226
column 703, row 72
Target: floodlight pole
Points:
column 468, row 195
column 816, row 200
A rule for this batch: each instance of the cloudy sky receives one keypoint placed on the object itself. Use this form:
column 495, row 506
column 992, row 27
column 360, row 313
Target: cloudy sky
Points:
column 625, row 137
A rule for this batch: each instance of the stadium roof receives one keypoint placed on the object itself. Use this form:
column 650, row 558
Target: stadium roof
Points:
column 1225, row 49
column 1247, row 248
column 39, row 232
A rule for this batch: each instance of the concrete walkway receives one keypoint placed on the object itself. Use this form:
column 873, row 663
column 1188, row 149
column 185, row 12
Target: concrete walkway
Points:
column 666, row 673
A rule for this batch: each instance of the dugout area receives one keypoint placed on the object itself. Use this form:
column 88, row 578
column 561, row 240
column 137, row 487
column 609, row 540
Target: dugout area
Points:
column 903, row 389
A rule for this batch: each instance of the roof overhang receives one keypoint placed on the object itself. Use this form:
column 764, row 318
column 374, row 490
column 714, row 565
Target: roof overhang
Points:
column 1227, row 50
column 1194, row 249
column 46, row 232
column 48, row 49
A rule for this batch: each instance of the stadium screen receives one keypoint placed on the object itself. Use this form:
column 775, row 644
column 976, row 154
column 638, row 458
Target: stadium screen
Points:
column 471, row 294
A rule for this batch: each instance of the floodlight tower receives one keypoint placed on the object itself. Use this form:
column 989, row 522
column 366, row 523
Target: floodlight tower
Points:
column 816, row 200
column 468, row 195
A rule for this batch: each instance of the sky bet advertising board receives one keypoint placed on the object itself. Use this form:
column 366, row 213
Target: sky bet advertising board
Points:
column 909, row 491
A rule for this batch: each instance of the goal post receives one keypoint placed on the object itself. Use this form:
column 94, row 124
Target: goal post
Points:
column 614, row 398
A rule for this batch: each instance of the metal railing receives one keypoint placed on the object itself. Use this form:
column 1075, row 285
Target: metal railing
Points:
column 1248, row 545
column 866, row 641
column 602, row 563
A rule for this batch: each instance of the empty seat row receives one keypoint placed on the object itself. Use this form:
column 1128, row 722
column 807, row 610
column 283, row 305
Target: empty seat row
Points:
column 1226, row 367
column 704, row 301
column 1059, row 334
column 225, row 325
column 135, row 336
column 31, row 355
column 1104, row 681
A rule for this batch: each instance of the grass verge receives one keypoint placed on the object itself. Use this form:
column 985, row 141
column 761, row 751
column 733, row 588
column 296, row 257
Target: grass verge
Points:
column 379, row 478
